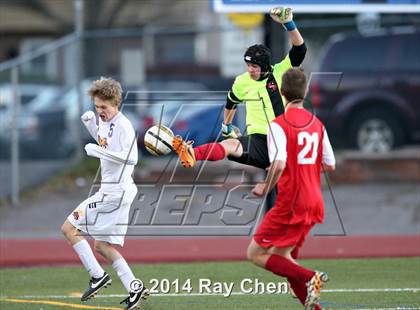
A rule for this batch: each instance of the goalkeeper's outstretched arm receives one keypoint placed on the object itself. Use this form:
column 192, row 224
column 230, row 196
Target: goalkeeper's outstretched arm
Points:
column 230, row 108
column 295, row 37
column 284, row 16
column 228, row 130
column 228, row 116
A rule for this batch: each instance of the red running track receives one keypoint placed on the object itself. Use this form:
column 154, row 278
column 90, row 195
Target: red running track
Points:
column 14, row 253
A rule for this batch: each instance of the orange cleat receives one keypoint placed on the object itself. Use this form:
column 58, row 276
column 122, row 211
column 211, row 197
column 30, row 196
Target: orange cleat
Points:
column 184, row 151
column 315, row 285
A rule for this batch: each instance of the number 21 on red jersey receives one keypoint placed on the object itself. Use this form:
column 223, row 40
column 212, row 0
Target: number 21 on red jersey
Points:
column 309, row 152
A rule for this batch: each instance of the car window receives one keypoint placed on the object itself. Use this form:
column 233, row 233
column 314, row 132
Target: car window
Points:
column 179, row 49
column 25, row 99
column 193, row 108
column 406, row 56
column 45, row 100
column 164, row 111
column 181, row 109
column 27, row 93
column 358, row 55
column 69, row 100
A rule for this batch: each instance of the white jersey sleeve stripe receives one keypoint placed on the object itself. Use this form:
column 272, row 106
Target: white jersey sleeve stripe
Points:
column 328, row 157
column 276, row 143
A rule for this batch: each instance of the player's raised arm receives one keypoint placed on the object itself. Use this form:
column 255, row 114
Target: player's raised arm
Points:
column 89, row 120
column 284, row 16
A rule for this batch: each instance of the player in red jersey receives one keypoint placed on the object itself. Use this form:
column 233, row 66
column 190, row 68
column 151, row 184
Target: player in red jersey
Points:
column 299, row 149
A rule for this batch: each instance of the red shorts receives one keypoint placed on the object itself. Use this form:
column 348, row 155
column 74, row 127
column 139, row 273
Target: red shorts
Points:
column 278, row 235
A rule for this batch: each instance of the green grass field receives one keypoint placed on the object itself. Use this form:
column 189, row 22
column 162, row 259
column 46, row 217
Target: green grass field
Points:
column 354, row 284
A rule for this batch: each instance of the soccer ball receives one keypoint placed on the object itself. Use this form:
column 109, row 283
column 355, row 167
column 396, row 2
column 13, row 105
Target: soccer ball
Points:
column 158, row 140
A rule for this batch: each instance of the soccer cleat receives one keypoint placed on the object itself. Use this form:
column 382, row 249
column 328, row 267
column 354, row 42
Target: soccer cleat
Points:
column 314, row 286
column 95, row 284
column 184, row 151
column 134, row 299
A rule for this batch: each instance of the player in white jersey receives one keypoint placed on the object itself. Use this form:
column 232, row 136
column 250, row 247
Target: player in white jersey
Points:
column 104, row 216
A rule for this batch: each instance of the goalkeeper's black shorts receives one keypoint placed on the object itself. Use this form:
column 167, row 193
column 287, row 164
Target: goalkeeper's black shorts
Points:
column 255, row 151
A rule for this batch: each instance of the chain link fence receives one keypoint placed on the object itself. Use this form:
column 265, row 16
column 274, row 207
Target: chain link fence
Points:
column 43, row 91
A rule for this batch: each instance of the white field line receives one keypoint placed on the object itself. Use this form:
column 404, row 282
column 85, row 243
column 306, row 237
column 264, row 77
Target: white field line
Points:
column 398, row 308
column 356, row 290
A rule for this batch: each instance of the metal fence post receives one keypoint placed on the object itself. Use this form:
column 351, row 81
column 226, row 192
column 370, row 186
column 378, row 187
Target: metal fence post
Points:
column 15, row 136
column 79, row 27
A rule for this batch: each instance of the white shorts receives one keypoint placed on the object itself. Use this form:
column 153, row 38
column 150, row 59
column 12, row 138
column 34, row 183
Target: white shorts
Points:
column 104, row 216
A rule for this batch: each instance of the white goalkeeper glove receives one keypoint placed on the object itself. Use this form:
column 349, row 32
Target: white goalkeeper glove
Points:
column 284, row 16
column 281, row 15
column 87, row 116
column 230, row 132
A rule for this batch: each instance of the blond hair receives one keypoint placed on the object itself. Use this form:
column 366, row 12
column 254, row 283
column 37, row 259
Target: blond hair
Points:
column 106, row 89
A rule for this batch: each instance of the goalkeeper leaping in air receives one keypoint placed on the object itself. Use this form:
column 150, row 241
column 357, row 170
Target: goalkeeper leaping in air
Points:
column 259, row 89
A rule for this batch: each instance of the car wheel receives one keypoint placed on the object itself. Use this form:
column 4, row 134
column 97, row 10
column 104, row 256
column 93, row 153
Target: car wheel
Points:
column 376, row 131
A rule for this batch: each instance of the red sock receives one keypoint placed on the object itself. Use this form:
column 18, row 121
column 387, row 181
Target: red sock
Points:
column 300, row 290
column 284, row 267
column 210, row 151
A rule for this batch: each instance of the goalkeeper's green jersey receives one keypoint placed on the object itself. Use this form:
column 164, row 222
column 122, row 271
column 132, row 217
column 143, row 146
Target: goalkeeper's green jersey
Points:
column 259, row 107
